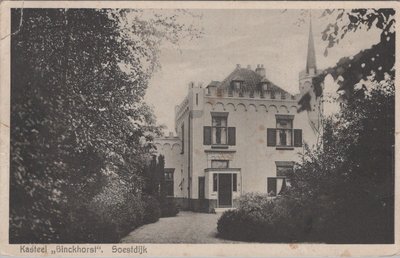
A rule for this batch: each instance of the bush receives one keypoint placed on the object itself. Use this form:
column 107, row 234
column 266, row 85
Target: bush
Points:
column 258, row 218
column 115, row 216
column 152, row 211
column 169, row 208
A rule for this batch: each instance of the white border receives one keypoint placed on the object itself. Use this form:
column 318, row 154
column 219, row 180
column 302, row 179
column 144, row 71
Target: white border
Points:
column 244, row 250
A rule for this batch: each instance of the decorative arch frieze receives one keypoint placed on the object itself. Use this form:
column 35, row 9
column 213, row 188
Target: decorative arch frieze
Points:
column 208, row 105
column 272, row 108
column 252, row 107
column 293, row 109
column 262, row 108
column 241, row 107
column 176, row 146
column 219, row 106
column 158, row 146
column 230, row 107
column 283, row 109
column 166, row 145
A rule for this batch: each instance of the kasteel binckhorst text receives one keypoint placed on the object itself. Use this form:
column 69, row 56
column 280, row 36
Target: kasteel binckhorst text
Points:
column 59, row 249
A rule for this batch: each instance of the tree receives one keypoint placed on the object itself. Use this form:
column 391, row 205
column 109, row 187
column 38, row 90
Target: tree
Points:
column 370, row 64
column 349, row 182
column 154, row 177
column 77, row 112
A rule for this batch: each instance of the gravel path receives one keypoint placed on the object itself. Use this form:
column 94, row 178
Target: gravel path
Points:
column 186, row 227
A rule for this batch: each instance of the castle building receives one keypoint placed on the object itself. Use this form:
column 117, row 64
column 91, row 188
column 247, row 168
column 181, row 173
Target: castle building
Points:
column 239, row 135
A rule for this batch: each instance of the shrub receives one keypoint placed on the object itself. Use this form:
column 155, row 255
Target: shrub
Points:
column 111, row 214
column 168, row 208
column 258, row 218
column 152, row 211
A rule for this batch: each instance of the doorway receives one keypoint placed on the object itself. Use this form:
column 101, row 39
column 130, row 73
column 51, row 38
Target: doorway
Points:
column 225, row 190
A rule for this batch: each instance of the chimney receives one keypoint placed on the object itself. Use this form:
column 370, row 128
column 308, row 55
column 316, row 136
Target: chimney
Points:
column 260, row 70
column 249, row 67
column 237, row 66
column 171, row 134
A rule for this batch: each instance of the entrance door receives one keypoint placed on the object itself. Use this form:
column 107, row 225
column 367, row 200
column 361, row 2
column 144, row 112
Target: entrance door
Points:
column 225, row 190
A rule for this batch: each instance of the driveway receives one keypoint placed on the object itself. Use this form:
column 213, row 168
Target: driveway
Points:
column 186, row 227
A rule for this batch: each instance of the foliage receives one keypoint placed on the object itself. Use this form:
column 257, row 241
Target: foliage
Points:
column 152, row 210
column 78, row 77
column 168, row 208
column 259, row 218
column 342, row 192
column 155, row 186
column 352, row 172
column 154, row 176
column 371, row 64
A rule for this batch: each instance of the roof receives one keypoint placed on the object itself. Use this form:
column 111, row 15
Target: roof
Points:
column 251, row 81
column 213, row 83
column 311, row 60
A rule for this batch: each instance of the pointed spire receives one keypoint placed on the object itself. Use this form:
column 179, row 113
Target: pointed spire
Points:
column 311, row 60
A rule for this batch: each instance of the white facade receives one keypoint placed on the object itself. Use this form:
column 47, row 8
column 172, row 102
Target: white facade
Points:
column 237, row 136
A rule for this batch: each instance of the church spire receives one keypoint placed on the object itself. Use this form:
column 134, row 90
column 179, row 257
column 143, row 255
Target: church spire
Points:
column 311, row 66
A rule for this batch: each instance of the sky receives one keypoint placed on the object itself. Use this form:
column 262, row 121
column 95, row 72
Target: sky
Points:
column 275, row 38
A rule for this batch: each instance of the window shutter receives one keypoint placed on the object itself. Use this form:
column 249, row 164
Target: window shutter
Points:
column 298, row 138
column 232, row 136
column 271, row 137
column 234, row 183
column 207, row 135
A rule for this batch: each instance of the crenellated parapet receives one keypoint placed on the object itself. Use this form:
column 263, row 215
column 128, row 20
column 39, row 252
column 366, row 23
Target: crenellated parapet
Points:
column 261, row 93
column 181, row 109
column 278, row 106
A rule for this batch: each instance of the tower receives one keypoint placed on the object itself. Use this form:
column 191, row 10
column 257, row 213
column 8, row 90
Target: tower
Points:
column 306, row 85
column 305, row 76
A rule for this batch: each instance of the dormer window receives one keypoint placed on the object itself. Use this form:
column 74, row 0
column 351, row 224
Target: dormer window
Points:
column 265, row 86
column 236, row 85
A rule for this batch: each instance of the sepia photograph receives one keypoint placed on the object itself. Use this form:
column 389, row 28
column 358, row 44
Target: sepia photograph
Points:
column 201, row 126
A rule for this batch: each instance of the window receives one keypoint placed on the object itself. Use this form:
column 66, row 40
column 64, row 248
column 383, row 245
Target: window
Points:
column 272, row 95
column 215, row 182
column 284, row 136
column 235, row 86
column 219, row 130
column 230, row 90
column 276, row 185
column 284, row 132
column 219, row 163
column 169, row 181
column 219, row 134
column 284, row 169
